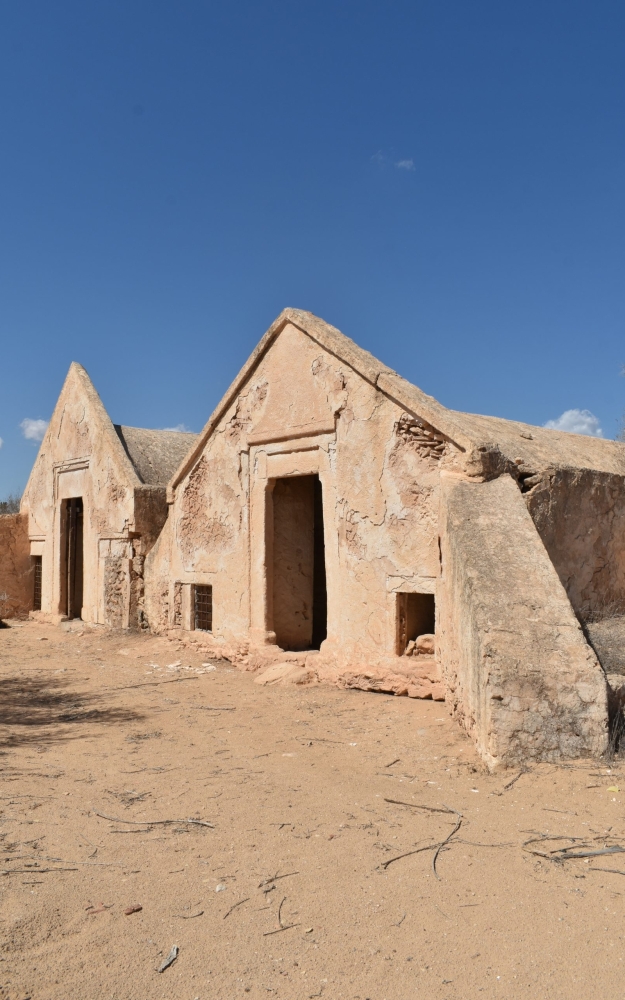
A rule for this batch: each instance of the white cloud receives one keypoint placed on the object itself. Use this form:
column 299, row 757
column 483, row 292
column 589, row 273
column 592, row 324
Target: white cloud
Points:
column 1, row 442
column 179, row 427
column 33, row 430
column 405, row 165
column 577, row 422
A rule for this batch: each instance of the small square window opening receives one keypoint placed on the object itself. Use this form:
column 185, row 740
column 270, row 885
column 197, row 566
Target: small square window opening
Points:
column 203, row 601
column 415, row 618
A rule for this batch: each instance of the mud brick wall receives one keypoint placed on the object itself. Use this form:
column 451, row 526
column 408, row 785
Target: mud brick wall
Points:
column 16, row 579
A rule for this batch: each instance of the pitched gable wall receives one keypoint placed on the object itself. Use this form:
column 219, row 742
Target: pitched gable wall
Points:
column 79, row 457
column 310, row 403
column 303, row 412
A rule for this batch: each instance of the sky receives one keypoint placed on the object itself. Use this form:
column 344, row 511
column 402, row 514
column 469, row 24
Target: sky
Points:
column 442, row 180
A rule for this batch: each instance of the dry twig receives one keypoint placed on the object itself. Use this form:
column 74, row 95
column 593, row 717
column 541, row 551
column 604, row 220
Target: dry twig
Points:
column 275, row 878
column 287, row 928
column 578, row 848
column 437, row 848
column 613, row 871
column 524, row 770
column 240, row 903
column 175, row 680
column 154, row 822
column 216, row 708
column 428, row 847
column 415, row 805
column 35, row 871
column 446, row 841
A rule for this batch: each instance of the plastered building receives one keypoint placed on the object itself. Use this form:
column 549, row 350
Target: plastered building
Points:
column 93, row 506
column 333, row 523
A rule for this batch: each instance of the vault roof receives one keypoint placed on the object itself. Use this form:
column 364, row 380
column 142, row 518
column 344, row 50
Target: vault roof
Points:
column 155, row 455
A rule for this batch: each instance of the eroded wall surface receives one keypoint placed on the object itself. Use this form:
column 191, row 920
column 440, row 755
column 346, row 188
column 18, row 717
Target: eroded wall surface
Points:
column 303, row 412
column 76, row 460
column 16, row 579
column 398, row 497
column 580, row 516
column 518, row 671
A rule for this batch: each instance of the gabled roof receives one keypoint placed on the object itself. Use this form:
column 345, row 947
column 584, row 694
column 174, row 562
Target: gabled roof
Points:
column 155, row 455
column 141, row 456
column 77, row 380
column 543, row 448
column 539, row 447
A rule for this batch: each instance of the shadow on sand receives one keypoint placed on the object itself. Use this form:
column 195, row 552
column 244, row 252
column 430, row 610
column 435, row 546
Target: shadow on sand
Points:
column 47, row 710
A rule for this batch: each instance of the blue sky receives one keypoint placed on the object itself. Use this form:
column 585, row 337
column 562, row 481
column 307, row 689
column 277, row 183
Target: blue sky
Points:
column 443, row 181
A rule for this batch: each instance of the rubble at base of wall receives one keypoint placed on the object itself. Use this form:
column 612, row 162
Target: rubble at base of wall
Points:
column 235, row 653
column 47, row 617
column 412, row 677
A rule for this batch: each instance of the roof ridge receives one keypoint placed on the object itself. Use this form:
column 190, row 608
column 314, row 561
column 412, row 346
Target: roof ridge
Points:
column 77, row 372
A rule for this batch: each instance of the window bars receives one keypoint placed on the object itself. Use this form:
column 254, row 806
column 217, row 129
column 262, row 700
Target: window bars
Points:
column 203, row 598
column 36, row 583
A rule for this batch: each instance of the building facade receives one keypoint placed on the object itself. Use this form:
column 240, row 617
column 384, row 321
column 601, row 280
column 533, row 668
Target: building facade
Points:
column 93, row 506
column 334, row 523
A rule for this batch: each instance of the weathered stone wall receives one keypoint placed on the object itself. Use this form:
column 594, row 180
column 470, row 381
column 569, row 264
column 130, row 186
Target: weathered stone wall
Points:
column 519, row 674
column 580, row 516
column 16, row 579
column 81, row 456
column 76, row 462
column 150, row 514
column 157, row 588
column 379, row 472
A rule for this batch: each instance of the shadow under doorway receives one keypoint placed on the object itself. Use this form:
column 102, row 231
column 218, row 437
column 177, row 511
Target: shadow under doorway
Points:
column 300, row 606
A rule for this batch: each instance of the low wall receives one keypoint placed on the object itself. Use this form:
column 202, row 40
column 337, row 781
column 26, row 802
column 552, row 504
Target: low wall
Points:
column 16, row 583
column 519, row 673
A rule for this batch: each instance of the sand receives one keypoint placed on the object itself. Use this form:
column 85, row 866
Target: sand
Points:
column 286, row 894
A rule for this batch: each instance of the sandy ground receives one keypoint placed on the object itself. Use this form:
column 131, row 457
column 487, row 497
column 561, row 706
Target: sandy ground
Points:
column 286, row 894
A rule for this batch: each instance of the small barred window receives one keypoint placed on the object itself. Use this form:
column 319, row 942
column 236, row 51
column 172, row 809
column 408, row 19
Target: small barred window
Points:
column 204, row 608
column 36, row 583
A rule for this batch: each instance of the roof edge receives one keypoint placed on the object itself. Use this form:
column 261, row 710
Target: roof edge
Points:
column 348, row 352
column 80, row 374
column 232, row 391
column 108, row 427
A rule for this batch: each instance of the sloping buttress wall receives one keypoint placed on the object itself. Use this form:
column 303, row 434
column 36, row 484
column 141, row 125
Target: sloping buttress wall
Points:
column 519, row 673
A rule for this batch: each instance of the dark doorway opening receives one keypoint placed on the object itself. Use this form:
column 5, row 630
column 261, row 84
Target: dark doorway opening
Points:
column 72, row 565
column 320, row 594
column 416, row 616
column 300, row 604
